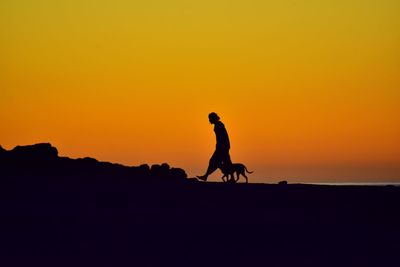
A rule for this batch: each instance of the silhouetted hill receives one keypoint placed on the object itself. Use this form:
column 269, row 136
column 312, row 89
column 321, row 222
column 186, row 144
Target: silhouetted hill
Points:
column 41, row 162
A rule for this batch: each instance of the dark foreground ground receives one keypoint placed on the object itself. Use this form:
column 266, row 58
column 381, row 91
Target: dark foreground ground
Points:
column 198, row 224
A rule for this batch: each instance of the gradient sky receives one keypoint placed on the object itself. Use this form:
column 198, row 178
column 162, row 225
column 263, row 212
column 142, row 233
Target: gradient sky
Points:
column 309, row 90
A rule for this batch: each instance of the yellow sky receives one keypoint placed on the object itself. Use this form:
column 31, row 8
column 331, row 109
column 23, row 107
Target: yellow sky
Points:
column 308, row 90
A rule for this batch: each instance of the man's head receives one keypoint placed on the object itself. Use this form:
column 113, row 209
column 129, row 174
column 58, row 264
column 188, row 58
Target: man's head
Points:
column 213, row 117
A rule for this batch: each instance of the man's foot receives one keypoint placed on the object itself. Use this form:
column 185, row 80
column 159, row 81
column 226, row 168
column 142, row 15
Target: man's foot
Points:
column 203, row 178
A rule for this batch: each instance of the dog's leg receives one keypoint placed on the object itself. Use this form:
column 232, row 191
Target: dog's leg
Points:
column 238, row 176
column 224, row 178
column 245, row 176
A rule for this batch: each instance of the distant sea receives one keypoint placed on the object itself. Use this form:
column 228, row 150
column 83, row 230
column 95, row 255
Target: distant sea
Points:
column 359, row 184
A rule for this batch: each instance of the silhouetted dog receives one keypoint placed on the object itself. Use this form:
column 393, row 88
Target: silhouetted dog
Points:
column 230, row 169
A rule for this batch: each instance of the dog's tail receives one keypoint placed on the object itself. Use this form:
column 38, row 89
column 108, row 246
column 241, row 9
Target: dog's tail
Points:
column 247, row 170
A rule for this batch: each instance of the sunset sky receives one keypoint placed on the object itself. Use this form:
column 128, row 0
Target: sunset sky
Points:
column 309, row 90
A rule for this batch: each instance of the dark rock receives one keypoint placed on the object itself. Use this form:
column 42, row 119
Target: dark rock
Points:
column 2, row 152
column 165, row 166
column 144, row 167
column 283, row 183
column 41, row 161
column 178, row 173
column 37, row 151
column 89, row 160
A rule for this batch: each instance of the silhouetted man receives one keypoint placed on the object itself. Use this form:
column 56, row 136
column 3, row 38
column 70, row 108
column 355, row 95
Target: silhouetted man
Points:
column 221, row 153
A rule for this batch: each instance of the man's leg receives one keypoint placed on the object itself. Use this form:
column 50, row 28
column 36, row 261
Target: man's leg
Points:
column 227, row 158
column 214, row 164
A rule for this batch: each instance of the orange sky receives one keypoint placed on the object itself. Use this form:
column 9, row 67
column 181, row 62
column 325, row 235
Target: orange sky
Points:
column 308, row 91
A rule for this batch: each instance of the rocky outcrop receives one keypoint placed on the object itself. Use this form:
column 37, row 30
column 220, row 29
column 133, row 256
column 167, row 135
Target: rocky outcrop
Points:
column 41, row 161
